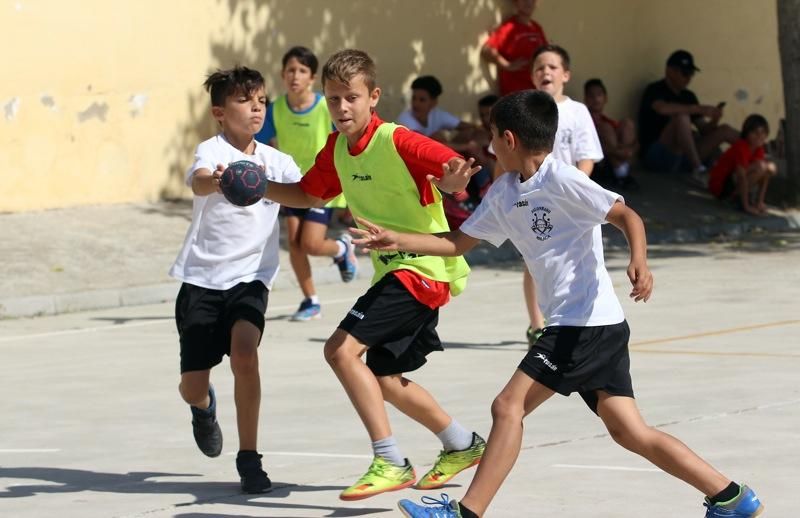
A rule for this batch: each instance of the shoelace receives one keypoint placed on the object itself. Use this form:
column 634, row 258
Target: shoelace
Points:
column 443, row 504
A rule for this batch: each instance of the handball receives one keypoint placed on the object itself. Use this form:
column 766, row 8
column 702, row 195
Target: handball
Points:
column 243, row 183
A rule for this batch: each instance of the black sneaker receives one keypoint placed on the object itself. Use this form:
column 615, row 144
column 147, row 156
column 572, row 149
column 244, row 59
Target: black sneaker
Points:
column 207, row 433
column 252, row 477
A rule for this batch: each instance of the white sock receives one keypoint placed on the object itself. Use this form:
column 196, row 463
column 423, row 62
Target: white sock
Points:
column 455, row 437
column 314, row 299
column 388, row 449
column 621, row 171
column 342, row 249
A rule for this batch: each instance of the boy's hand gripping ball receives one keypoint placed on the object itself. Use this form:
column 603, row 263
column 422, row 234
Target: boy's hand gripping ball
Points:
column 243, row 183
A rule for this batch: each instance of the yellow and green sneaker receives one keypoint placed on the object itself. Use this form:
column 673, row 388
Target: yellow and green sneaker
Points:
column 382, row 476
column 451, row 463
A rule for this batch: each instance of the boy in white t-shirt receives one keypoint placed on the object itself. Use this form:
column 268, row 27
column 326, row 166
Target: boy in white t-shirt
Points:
column 576, row 144
column 424, row 116
column 227, row 264
column 552, row 213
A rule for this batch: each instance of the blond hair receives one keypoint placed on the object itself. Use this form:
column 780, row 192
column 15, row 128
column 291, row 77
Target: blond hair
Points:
column 346, row 64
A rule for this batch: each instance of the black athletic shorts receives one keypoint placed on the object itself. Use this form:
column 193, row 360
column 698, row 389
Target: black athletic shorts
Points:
column 399, row 330
column 570, row 359
column 205, row 317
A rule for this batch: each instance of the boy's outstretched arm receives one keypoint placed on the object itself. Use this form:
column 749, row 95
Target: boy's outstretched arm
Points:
column 456, row 173
column 625, row 219
column 445, row 244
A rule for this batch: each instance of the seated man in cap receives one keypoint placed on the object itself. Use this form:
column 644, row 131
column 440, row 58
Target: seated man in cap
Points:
column 668, row 117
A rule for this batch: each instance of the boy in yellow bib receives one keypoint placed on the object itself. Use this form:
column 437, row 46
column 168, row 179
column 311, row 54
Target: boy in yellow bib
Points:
column 392, row 176
column 298, row 123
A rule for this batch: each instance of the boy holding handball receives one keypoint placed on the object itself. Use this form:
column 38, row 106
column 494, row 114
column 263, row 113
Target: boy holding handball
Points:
column 227, row 264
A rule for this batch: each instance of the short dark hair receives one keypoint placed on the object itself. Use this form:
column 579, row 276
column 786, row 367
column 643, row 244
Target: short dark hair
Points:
column 754, row 122
column 347, row 64
column 304, row 56
column 594, row 83
column 531, row 115
column 561, row 51
column 488, row 100
column 224, row 83
column 428, row 83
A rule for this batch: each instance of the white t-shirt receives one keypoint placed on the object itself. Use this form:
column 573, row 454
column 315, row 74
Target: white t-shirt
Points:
column 227, row 244
column 576, row 138
column 554, row 221
column 438, row 119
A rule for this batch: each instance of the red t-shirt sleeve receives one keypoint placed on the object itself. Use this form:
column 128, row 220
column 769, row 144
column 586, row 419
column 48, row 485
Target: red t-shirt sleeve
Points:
column 759, row 154
column 741, row 155
column 422, row 156
column 322, row 180
column 497, row 36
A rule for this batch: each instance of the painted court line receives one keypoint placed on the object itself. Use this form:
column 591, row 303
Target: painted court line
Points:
column 310, row 454
column 717, row 353
column 28, row 450
column 717, row 332
column 114, row 327
column 607, row 468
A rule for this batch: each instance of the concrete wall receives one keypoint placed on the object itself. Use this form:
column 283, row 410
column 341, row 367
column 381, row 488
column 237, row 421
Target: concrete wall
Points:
column 102, row 100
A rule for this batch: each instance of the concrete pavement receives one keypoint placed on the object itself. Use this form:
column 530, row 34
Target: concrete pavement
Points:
column 93, row 425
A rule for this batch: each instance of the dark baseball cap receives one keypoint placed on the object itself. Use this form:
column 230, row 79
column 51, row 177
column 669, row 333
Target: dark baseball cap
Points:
column 684, row 60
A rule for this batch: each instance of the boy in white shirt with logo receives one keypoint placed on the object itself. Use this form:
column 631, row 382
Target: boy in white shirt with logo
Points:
column 552, row 213
column 227, row 264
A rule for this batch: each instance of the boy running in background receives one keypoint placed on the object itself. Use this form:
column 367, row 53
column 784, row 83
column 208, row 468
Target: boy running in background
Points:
column 391, row 175
column 227, row 270
column 552, row 213
column 298, row 123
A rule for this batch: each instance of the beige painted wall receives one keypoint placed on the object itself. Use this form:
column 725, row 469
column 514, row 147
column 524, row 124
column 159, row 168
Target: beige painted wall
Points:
column 102, row 100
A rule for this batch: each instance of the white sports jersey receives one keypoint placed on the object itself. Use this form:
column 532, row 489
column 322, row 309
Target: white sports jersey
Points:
column 438, row 119
column 554, row 220
column 576, row 138
column 227, row 244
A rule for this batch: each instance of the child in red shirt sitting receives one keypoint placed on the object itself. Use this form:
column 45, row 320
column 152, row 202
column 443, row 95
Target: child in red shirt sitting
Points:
column 743, row 169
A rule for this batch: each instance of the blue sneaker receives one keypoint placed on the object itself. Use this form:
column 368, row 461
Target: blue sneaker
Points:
column 432, row 508
column 348, row 262
column 307, row 311
column 746, row 505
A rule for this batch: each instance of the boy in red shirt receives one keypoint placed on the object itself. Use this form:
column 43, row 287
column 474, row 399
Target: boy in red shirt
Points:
column 511, row 46
column 743, row 168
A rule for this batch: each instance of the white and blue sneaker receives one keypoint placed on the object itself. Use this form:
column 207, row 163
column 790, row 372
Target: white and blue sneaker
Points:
column 307, row 311
column 347, row 262
column 431, row 508
column 745, row 505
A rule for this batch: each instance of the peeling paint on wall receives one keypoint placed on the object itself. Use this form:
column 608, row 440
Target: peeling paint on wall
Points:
column 95, row 111
column 137, row 102
column 741, row 95
column 49, row 102
column 11, row 108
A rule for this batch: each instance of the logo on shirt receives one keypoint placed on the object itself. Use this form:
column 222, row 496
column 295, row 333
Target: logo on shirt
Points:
column 521, row 203
column 388, row 258
column 566, row 138
column 541, row 223
column 361, row 177
column 359, row 315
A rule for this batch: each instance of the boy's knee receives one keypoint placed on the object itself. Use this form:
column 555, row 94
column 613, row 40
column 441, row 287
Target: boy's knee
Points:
column 503, row 407
column 629, row 438
column 244, row 361
column 193, row 393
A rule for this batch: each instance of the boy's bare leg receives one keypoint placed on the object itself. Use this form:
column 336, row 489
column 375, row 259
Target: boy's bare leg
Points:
column 194, row 388
column 315, row 243
column 414, row 401
column 297, row 257
column 519, row 398
column 610, row 142
column 529, row 289
column 626, row 426
column 343, row 353
column 626, row 136
column 744, row 182
column 678, row 137
column 246, row 381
